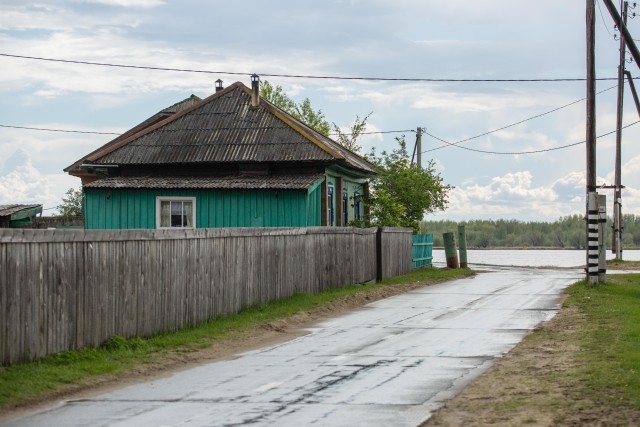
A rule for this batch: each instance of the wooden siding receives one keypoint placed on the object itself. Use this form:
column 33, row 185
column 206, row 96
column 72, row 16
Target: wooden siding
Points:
column 314, row 205
column 67, row 289
column 394, row 251
column 136, row 208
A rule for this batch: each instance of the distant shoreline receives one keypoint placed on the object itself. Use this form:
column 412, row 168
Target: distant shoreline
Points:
column 528, row 248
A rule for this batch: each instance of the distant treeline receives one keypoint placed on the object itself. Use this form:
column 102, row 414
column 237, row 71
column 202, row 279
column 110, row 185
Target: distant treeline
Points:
column 568, row 232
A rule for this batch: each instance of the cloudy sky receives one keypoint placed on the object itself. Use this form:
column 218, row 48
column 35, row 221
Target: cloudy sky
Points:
column 403, row 39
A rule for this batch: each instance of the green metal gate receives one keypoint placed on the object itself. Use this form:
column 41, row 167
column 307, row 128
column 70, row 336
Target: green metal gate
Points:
column 422, row 253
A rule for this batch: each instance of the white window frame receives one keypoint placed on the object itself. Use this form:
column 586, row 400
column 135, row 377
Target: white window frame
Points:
column 161, row 199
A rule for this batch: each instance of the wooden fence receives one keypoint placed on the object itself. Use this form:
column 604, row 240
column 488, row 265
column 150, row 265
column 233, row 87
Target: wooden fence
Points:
column 67, row 289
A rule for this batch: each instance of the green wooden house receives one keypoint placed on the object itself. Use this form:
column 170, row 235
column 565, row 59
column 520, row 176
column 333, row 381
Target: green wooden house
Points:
column 230, row 160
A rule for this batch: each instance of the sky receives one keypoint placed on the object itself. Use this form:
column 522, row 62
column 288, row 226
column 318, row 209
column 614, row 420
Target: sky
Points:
column 403, row 39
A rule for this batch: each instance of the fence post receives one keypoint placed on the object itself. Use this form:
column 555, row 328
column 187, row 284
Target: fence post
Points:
column 462, row 245
column 450, row 249
column 379, row 254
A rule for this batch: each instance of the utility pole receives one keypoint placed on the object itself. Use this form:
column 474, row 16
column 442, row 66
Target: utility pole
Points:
column 419, row 145
column 592, row 198
column 617, row 195
column 624, row 33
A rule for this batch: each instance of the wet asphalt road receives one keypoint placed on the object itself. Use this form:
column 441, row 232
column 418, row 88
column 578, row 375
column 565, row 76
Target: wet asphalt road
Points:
column 390, row 363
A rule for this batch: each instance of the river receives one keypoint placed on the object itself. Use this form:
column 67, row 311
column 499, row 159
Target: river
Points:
column 530, row 257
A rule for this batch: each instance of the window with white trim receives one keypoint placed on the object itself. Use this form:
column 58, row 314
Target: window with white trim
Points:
column 175, row 212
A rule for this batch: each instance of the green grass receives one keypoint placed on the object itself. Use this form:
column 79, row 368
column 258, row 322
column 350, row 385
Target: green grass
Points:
column 63, row 371
column 611, row 342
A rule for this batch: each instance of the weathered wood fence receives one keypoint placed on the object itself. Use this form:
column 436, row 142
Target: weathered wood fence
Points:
column 67, row 289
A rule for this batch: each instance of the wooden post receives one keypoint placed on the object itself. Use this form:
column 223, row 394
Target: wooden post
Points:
column 462, row 245
column 602, row 243
column 379, row 259
column 450, row 250
column 593, row 221
column 419, row 146
column 592, row 200
column 617, row 196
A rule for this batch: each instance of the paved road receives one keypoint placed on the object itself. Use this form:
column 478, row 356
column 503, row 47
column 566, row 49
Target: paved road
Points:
column 389, row 364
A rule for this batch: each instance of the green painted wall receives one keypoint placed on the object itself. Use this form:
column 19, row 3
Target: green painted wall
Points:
column 136, row 208
column 314, row 205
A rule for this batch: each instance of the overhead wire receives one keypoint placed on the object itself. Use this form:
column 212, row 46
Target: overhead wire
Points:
column 603, row 20
column 60, row 130
column 302, row 76
column 198, row 129
column 447, row 143
column 514, row 124
column 526, row 152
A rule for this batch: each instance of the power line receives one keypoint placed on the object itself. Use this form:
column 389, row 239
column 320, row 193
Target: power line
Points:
column 376, row 132
column 194, row 129
column 362, row 133
column 59, row 130
column 514, row 124
column 524, row 152
column 301, row 76
column 603, row 20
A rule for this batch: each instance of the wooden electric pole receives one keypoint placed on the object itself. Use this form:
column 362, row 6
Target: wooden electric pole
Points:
column 419, row 146
column 624, row 32
column 617, row 195
column 592, row 199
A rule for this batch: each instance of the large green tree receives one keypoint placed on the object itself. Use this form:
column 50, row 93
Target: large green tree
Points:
column 402, row 192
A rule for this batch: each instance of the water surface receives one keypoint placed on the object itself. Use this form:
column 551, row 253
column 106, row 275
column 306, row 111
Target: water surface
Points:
column 531, row 257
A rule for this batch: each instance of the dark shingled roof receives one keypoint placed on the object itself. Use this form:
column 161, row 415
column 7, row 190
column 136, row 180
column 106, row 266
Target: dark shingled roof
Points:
column 240, row 182
column 226, row 128
column 159, row 116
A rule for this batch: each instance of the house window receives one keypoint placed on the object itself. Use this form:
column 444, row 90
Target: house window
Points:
column 175, row 212
column 330, row 204
column 356, row 206
column 345, row 208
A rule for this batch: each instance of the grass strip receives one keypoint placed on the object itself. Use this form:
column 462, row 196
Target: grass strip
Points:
column 47, row 377
column 610, row 343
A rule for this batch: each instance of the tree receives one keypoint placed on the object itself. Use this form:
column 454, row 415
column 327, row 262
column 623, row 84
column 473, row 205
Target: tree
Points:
column 302, row 111
column 349, row 140
column 72, row 203
column 402, row 192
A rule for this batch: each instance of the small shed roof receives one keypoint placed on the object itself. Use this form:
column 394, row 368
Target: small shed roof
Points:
column 240, row 182
column 19, row 211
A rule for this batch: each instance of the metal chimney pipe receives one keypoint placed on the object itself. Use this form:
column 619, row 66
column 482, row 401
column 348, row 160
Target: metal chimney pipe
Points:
column 219, row 86
column 255, row 90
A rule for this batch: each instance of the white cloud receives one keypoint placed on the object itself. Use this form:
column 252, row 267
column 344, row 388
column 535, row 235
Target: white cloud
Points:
column 25, row 184
column 129, row 3
column 513, row 195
